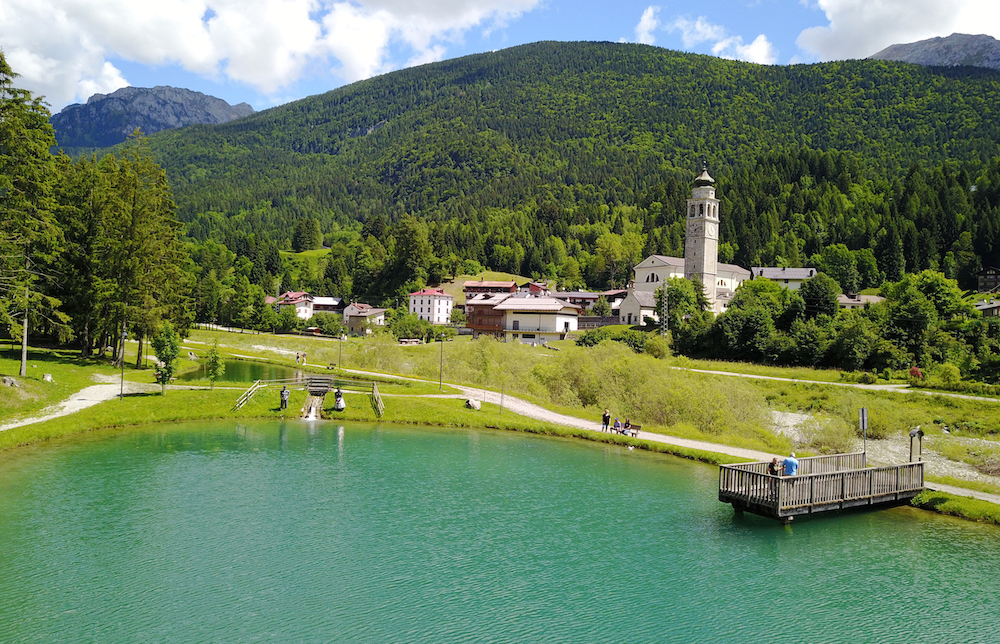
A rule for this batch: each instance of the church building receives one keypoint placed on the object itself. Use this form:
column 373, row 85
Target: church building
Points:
column 701, row 260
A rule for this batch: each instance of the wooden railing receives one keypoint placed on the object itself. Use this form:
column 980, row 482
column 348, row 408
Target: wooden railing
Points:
column 248, row 394
column 835, row 486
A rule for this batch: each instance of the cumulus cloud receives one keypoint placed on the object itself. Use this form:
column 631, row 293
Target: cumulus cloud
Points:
column 859, row 28
column 63, row 48
column 695, row 32
column 647, row 25
column 760, row 51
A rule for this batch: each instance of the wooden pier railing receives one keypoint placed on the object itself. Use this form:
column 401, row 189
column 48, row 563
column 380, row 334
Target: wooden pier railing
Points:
column 823, row 483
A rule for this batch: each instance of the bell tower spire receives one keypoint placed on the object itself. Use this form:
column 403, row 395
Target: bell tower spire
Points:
column 701, row 243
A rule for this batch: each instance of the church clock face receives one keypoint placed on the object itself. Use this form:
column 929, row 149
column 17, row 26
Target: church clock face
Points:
column 696, row 229
column 710, row 230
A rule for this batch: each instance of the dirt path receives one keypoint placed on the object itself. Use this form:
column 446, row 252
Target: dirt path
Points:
column 109, row 389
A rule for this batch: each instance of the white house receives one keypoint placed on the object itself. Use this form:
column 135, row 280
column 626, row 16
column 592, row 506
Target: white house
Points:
column 302, row 301
column 360, row 318
column 432, row 304
column 790, row 278
column 636, row 306
column 536, row 320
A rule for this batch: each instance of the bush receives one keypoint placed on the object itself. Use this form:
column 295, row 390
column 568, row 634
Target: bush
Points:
column 658, row 347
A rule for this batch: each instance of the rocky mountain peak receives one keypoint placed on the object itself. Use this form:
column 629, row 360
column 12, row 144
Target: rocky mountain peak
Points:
column 108, row 119
column 956, row 49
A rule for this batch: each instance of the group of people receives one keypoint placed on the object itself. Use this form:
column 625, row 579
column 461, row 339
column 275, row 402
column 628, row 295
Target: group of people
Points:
column 618, row 427
column 788, row 467
column 300, row 357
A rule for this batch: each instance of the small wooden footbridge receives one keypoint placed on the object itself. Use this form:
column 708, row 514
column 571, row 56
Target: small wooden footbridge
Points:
column 823, row 483
column 318, row 387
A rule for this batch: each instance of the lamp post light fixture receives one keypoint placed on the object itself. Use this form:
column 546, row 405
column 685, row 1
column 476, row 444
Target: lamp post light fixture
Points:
column 121, row 394
column 441, row 368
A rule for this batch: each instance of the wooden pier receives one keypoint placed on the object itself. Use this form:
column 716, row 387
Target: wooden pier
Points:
column 824, row 483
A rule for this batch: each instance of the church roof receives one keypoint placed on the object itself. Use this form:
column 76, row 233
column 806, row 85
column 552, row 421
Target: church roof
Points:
column 704, row 179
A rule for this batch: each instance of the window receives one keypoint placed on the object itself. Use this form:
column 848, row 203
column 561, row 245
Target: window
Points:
column 529, row 336
column 702, row 209
column 517, row 325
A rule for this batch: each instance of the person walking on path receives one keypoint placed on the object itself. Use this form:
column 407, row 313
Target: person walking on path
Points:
column 285, row 395
column 606, row 420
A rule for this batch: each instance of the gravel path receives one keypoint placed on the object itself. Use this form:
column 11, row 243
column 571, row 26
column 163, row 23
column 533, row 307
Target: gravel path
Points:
column 109, row 389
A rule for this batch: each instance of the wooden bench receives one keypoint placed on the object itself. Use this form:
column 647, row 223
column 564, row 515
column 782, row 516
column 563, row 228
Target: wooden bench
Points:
column 632, row 431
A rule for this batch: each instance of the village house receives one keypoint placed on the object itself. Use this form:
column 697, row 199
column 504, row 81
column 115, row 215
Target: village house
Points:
column 857, row 301
column 360, row 318
column 432, row 304
column 300, row 300
column 988, row 280
column 328, row 304
column 536, row 320
column 481, row 317
column 583, row 299
column 790, row 278
column 475, row 287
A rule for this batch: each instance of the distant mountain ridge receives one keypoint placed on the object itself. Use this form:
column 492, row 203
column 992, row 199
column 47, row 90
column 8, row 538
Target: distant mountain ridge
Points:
column 108, row 119
column 956, row 49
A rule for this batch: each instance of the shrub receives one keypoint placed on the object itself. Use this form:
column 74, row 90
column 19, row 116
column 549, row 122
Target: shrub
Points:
column 657, row 346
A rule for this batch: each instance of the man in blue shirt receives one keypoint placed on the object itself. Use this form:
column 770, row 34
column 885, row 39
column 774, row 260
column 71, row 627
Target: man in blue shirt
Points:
column 791, row 465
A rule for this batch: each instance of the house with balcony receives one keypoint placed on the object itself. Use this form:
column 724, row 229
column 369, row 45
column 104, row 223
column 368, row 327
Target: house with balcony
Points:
column 481, row 317
column 479, row 287
column 537, row 320
column 432, row 304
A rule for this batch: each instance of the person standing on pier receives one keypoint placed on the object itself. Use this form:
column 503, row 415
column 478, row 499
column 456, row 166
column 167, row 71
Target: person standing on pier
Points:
column 791, row 465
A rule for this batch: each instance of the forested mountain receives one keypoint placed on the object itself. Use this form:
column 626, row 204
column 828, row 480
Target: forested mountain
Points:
column 957, row 49
column 108, row 119
column 499, row 153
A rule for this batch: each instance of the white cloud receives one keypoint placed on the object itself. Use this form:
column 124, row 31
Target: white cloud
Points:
column 701, row 30
column 859, row 28
column 759, row 51
column 62, row 48
column 698, row 31
column 647, row 25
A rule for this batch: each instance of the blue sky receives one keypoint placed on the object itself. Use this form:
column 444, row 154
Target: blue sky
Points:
column 268, row 52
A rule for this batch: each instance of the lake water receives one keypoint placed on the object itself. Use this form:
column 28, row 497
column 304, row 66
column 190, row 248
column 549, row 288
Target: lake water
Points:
column 319, row 532
column 243, row 371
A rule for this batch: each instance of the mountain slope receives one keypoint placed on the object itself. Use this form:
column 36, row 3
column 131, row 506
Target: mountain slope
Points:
column 956, row 49
column 108, row 119
column 575, row 124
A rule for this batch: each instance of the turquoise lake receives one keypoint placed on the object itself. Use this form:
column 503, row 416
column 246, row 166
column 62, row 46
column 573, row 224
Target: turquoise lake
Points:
column 322, row 532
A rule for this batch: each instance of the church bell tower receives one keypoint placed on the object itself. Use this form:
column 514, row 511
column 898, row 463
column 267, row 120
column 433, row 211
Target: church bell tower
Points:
column 701, row 243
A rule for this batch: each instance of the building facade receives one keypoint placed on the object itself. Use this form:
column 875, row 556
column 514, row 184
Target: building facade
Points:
column 432, row 304
column 537, row 320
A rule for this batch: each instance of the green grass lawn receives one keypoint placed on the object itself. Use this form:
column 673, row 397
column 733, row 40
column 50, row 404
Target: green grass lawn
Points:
column 69, row 374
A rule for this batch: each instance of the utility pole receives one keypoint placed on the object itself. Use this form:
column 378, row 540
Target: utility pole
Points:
column 441, row 372
column 121, row 394
column 664, row 321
